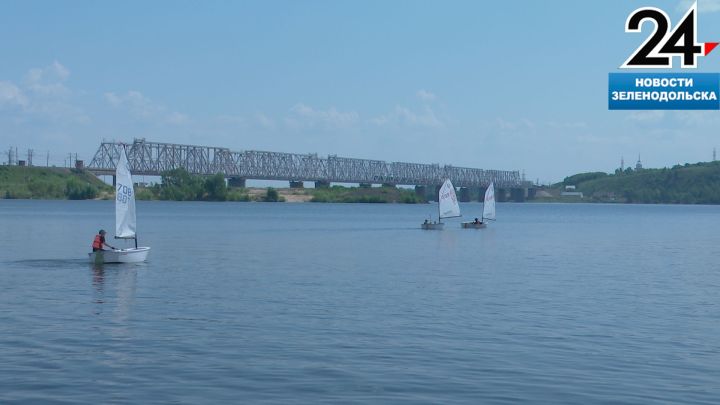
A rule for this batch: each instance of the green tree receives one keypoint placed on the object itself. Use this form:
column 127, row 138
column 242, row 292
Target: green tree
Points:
column 272, row 195
column 179, row 185
column 77, row 190
column 215, row 188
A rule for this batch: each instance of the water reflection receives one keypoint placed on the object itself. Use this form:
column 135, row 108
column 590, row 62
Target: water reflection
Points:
column 114, row 287
column 98, row 280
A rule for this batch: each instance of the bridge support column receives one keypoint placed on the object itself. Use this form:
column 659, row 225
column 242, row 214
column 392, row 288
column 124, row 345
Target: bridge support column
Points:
column 365, row 185
column 500, row 195
column 322, row 184
column 114, row 180
column 434, row 196
column 296, row 184
column 388, row 185
column 464, row 194
column 531, row 193
column 236, row 182
column 481, row 194
column 421, row 191
column 517, row 194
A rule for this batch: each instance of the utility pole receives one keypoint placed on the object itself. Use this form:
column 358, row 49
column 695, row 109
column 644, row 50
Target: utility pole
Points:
column 29, row 157
column 10, row 156
column 47, row 159
column 714, row 154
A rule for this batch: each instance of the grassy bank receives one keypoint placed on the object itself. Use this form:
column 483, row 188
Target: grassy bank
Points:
column 50, row 183
column 697, row 183
column 339, row 194
column 179, row 185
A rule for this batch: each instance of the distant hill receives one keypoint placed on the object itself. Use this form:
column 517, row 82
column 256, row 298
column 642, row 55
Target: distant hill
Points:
column 697, row 183
column 50, row 183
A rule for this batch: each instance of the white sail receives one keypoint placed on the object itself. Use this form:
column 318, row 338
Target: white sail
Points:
column 124, row 199
column 489, row 204
column 448, row 203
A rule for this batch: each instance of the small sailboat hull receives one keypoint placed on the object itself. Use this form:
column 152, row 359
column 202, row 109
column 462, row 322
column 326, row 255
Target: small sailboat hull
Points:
column 473, row 225
column 433, row 227
column 132, row 255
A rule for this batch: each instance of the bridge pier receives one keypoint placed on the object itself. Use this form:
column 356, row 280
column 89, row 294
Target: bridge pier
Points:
column 464, row 194
column 531, row 192
column 481, row 194
column 114, row 180
column 421, row 191
column 500, row 195
column 434, row 196
column 517, row 194
column 388, row 185
column 322, row 184
column 296, row 184
column 236, row 182
column 365, row 185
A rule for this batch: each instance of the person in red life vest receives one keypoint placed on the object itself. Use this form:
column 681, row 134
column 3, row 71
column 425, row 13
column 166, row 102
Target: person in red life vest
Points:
column 99, row 241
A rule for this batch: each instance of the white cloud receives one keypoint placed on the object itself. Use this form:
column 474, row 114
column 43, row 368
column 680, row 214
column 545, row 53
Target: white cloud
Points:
column 264, row 121
column 304, row 115
column 142, row 107
column 425, row 95
column 646, row 116
column 567, row 125
column 697, row 118
column 522, row 124
column 49, row 80
column 704, row 6
column 42, row 94
column 234, row 120
column 404, row 116
column 11, row 95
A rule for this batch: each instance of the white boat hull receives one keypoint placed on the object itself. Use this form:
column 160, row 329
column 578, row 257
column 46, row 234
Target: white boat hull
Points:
column 132, row 255
column 473, row 225
column 430, row 227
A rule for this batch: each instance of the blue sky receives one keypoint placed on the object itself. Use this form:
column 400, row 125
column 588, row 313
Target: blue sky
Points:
column 516, row 85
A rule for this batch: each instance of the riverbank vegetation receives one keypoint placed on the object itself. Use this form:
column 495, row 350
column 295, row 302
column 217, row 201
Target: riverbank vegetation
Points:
column 340, row 194
column 50, row 183
column 697, row 183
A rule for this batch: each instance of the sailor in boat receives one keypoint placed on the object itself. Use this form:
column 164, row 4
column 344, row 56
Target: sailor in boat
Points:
column 99, row 242
column 477, row 222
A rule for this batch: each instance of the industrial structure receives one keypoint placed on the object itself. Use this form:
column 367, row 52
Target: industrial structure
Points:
column 154, row 158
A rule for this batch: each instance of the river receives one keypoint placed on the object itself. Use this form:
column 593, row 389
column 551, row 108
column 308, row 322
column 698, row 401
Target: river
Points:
column 353, row 303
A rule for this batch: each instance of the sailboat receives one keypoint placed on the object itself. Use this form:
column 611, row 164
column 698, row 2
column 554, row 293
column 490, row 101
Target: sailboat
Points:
column 448, row 206
column 125, row 221
column 488, row 210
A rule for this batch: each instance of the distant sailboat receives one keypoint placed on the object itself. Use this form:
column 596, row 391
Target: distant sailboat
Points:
column 448, row 206
column 488, row 210
column 125, row 221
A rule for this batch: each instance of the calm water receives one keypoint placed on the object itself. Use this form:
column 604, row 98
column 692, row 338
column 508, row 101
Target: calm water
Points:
column 307, row 303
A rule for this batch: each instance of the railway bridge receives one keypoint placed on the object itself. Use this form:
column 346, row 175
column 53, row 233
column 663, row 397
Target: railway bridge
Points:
column 154, row 158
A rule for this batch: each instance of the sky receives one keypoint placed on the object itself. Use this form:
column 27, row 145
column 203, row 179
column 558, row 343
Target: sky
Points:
column 514, row 85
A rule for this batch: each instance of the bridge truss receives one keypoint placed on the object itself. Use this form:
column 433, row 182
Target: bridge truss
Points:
column 153, row 158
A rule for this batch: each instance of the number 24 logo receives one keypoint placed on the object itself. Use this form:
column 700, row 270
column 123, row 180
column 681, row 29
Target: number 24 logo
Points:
column 661, row 46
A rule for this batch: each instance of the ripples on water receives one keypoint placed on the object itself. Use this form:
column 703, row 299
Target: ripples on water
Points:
column 251, row 302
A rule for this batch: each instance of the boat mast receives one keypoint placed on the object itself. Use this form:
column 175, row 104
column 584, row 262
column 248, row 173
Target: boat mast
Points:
column 439, row 219
column 482, row 213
